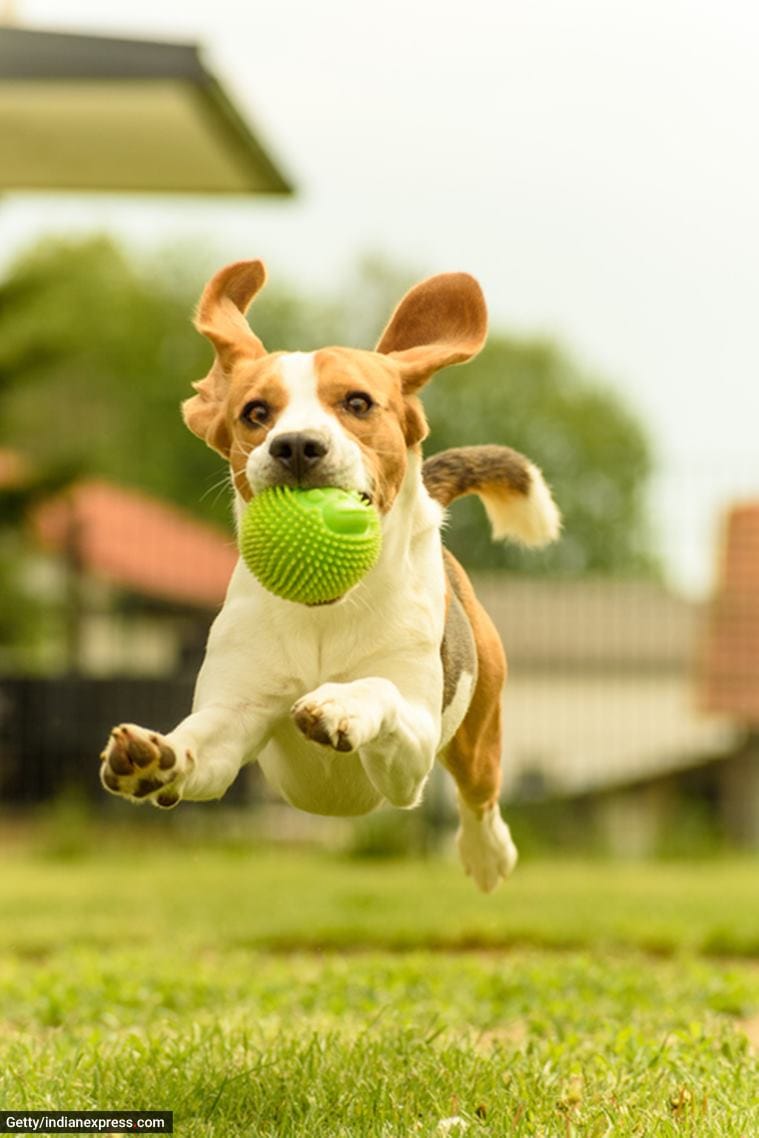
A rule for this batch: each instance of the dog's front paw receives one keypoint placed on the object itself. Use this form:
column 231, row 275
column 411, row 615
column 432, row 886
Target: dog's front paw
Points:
column 141, row 765
column 331, row 717
column 324, row 722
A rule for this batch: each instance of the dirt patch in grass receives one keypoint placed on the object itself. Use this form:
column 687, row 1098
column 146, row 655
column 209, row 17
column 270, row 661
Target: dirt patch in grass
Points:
column 750, row 1028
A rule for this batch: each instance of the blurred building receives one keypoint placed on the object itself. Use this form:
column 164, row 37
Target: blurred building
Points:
column 601, row 707
column 140, row 579
column 92, row 113
column 624, row 697
column 601, row 690
column 130, row 586
column 729, row 666
column 729, row 663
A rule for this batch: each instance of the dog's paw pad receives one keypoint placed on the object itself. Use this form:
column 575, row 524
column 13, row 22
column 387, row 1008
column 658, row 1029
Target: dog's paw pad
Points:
column 167, row 800
column 140, row 765
column 166, row 757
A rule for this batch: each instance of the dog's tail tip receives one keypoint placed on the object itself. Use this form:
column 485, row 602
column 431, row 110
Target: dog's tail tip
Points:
column 532, row 518
column 516, row 497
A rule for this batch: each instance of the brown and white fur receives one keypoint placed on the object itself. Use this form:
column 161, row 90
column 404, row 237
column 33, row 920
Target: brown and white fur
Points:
column 347, row 705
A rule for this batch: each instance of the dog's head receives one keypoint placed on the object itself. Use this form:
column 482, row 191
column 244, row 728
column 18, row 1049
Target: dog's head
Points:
column 337, row 416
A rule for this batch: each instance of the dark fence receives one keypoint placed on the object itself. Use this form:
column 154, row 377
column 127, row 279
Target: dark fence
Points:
column 53, row 730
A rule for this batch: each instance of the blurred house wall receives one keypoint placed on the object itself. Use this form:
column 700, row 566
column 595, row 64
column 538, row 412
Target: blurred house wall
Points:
column 601, row 688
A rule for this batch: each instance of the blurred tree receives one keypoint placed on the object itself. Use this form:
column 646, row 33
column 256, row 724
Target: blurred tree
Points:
column 591, row 448
column 370, row 296
column 97, row 352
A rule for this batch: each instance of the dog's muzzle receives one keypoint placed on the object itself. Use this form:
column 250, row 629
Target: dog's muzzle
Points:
column 299, row 453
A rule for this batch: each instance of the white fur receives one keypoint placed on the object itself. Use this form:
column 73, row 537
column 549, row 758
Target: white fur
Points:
column 533, row 520
column 485, row 846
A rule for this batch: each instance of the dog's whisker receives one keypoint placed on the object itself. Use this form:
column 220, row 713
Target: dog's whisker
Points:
column 222, row 483
column 237, row 448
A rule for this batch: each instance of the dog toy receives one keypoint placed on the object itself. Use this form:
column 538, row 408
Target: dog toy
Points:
column 309, row 546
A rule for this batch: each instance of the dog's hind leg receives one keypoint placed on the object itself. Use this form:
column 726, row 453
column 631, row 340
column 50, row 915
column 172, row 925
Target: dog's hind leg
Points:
column 473, row 756
column 484, row 841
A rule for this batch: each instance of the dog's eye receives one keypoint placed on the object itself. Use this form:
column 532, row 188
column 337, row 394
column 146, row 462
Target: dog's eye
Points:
column 358, row 403
column 255, row 413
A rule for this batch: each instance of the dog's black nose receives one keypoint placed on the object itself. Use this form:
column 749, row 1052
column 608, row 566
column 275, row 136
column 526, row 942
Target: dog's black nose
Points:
column 298, row 451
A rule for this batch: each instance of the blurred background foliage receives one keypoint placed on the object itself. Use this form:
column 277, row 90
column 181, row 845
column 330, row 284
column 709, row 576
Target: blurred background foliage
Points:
column 97, row 352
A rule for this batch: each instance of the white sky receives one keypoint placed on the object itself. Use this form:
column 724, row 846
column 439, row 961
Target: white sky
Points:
column 593, row 162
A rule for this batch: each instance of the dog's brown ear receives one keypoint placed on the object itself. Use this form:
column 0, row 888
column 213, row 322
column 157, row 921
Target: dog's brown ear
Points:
column 220, row 316
column 441, row 321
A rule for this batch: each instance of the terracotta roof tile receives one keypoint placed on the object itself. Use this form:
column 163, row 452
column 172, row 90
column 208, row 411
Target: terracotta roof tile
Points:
column 138, row 543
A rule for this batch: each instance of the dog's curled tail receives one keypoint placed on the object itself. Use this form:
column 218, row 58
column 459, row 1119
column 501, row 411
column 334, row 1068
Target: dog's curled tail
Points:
column 514, row 493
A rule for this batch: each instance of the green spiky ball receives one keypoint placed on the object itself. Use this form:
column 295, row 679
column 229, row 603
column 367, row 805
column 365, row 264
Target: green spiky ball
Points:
column 309, row 546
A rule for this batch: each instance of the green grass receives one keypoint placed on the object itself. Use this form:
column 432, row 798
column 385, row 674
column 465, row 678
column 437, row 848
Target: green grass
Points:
column 278, row 899
column 278, row 993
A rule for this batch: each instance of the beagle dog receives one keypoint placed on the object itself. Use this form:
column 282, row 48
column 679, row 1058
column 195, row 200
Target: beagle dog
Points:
column 347, row 705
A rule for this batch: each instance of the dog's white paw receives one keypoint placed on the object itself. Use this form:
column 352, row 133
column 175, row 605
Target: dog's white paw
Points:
column 334, row 716
column 141, row 765
column 486, row 849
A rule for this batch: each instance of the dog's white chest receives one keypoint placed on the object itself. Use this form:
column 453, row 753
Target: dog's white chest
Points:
column 316, row 779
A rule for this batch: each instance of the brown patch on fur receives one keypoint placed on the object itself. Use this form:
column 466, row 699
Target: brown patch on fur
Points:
column 500, row 471
column 380, row 433
column 474, row 754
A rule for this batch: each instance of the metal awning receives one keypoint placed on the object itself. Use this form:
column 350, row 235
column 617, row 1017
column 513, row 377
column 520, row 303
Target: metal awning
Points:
column 88, row 113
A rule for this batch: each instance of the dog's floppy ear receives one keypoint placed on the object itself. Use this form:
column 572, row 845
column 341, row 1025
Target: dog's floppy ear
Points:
column 439, row 322
column 220, row 316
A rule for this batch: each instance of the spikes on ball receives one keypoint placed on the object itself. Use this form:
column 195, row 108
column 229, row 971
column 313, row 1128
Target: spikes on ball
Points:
column 309, row 546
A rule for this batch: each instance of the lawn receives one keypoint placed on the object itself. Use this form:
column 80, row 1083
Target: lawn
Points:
column 269, row 993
